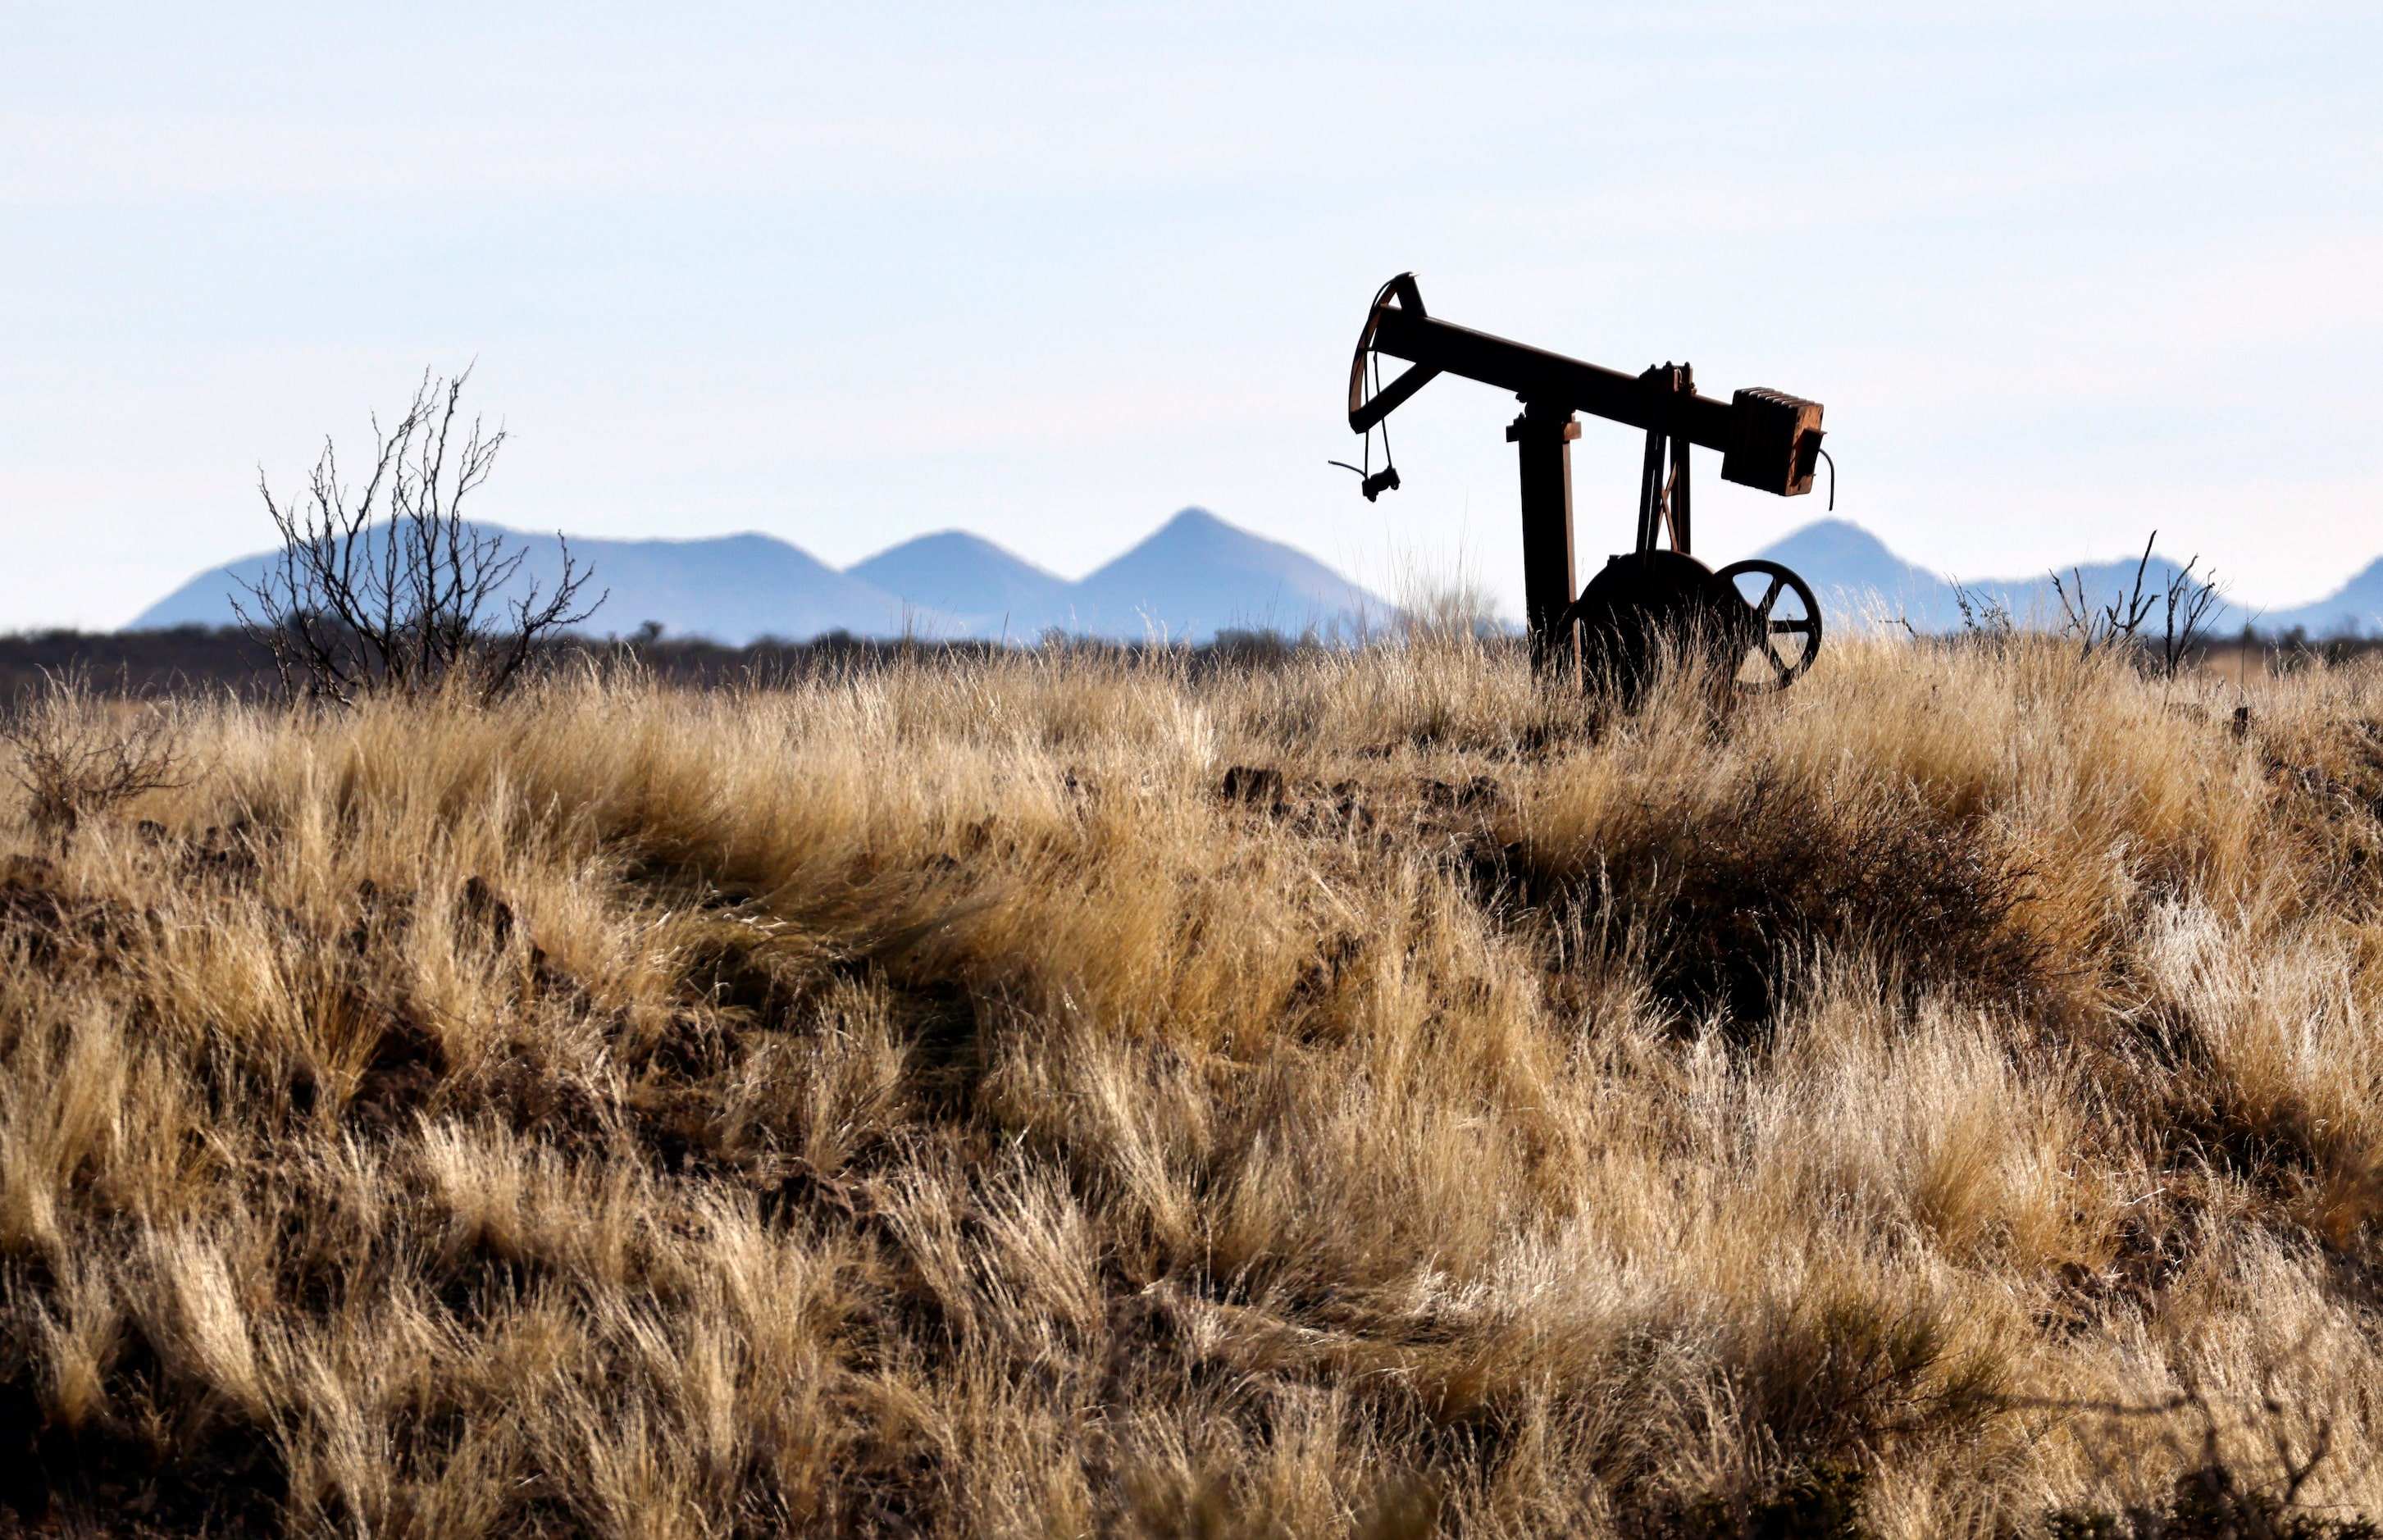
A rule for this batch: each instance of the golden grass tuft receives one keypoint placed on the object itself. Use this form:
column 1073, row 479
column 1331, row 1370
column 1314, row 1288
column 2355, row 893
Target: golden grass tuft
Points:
column 1368, row 1093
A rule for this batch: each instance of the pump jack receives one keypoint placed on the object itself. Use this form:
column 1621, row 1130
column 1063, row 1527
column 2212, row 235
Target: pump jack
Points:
column 1620, row 621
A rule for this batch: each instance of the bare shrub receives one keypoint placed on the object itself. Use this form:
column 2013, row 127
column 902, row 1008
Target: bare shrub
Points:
column 2185, row 604
column 1985, row 616
column 77, row 757
column 2243, row 1477
column 389, row 590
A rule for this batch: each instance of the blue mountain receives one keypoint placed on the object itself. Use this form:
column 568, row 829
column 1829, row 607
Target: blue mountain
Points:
column 2356, row 610
column 1195, row 576
column 984, row 589
column 1199, row 575
column 1854, row 574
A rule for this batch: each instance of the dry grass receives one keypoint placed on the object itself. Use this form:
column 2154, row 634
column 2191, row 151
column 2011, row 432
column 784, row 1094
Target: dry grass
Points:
column 923, row 1103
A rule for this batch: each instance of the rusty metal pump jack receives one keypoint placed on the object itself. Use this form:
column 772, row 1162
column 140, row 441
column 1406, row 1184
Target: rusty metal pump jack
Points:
column 1620, row 621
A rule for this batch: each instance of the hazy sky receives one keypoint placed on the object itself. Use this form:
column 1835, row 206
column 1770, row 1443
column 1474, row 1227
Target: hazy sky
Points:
column 847, row 274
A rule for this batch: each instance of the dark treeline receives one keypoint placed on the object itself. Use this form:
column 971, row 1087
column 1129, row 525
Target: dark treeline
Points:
column 203, row 660
column 200, row 660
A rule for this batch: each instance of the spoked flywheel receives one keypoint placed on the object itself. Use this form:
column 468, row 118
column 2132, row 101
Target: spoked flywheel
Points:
column 1782, row 626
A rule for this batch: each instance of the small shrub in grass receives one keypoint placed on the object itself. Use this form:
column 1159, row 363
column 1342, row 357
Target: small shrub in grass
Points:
column 1735, row 894
column 2209, row 1504
column 76, row 757
column 1823, row 1502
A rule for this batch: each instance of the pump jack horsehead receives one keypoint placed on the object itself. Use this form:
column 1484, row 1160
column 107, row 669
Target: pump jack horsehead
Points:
column 1761, row 618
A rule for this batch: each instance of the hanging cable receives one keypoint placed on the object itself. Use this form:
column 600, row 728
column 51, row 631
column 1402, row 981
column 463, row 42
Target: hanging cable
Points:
column 1374, row 485
column 1371, row 484
column 1833, row 478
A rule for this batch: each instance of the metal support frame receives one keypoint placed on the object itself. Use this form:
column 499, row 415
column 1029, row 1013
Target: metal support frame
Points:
column 1663, row 500
column 1542, row 437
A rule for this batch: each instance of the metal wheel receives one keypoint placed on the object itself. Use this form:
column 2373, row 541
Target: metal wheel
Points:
column 1780, row 643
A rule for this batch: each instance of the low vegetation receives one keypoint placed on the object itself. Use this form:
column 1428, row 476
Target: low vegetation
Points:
column 1066, row 1093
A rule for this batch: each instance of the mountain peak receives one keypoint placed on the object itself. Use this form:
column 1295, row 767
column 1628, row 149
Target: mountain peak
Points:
column 986, row 590
column 1196, row 575
column 942, row 540
column 1196, row 525
column 1842, row 537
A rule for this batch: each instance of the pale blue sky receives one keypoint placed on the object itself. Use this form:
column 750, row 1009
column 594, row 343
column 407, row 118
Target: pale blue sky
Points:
column 2061, row 273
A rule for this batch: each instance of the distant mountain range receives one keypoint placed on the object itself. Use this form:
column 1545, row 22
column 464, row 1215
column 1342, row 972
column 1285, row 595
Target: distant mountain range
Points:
column 1195, row 576
column 1856, row 575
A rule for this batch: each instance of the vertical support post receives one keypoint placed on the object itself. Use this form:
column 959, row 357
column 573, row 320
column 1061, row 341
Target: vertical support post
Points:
column 1675, row 495
column 1650, row 492
column 1542, row 436
column 1676, row 492
column 1663, row 500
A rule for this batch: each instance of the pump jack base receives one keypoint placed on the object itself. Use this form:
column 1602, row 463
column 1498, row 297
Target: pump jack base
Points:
column 1648, row 603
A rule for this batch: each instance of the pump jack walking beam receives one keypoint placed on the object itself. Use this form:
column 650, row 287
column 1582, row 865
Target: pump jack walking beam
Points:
column 1766, row 439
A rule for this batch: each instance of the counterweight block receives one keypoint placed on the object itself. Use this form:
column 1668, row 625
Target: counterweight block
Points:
column 1645, row 604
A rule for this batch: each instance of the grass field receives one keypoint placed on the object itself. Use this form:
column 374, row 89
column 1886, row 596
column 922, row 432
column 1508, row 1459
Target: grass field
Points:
column 1367, row 1094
